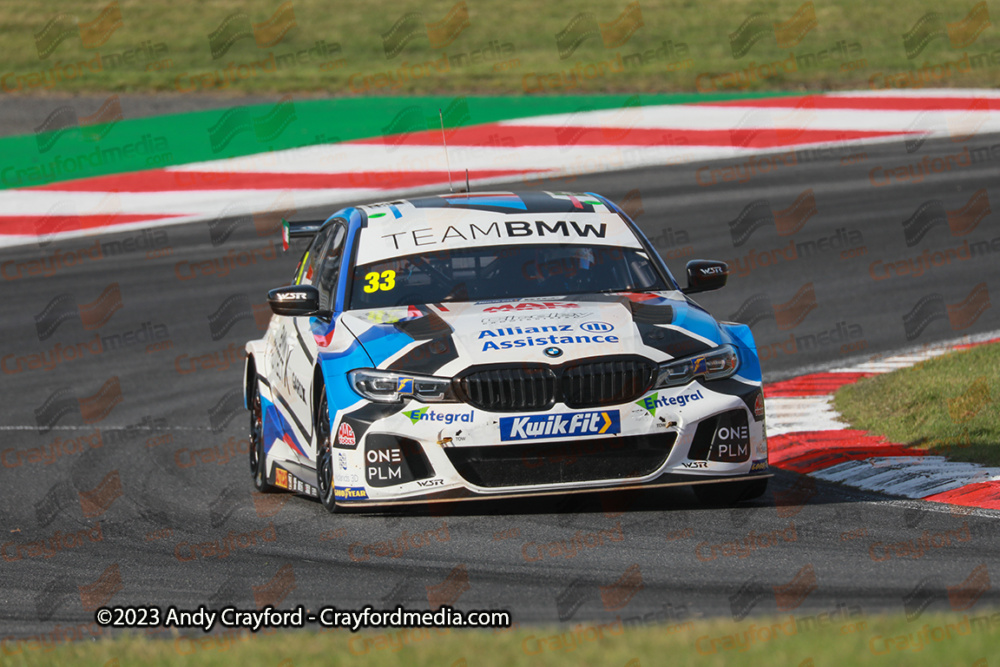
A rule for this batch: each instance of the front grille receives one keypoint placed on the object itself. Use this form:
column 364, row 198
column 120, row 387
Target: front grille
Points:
column 606, row 382
column 583, row 460
column 506, row 389
column 527, row 388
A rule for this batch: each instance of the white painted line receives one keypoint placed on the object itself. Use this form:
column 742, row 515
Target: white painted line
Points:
column 810, row 413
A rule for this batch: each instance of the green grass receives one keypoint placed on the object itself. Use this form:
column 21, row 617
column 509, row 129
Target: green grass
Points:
column 524, row 30
column 932, row 639
column 946, row 405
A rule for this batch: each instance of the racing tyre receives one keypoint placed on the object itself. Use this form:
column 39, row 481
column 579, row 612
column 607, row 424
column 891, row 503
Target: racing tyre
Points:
column 729, row 493
column 324, row 456
column 258, row 462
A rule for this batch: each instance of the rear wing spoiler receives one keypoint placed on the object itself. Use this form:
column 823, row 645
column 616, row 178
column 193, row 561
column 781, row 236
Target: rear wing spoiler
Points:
column 299, row 229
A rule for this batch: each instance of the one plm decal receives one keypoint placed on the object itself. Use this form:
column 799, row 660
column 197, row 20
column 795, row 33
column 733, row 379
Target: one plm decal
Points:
column 654, row 401
column 576, row 424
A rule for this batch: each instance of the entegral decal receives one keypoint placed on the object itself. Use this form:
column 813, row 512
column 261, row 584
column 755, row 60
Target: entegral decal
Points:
column 423, row 414
column 651, row 402
column 606, row 422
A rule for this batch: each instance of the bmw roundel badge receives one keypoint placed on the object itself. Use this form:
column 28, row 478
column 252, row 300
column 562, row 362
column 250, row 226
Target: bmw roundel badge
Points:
column 552, row 352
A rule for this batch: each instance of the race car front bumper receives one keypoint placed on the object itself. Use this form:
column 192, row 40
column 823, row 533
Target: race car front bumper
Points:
column 705, row 432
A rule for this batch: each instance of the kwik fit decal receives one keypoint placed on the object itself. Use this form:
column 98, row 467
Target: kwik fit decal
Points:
column 605, row 422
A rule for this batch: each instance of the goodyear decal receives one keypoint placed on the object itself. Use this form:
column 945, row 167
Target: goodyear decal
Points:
column 350, row 493
column 604, row 422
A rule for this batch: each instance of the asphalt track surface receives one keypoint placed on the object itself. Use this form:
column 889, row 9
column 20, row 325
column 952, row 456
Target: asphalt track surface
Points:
column 182, row 479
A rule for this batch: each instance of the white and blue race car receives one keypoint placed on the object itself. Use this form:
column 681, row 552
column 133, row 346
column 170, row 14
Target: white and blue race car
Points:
column 499, row 344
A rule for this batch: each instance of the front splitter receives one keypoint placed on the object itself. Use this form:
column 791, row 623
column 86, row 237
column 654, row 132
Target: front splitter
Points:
column 464, row 495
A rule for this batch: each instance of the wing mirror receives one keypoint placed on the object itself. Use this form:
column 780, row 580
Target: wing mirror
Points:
column 294, row 301
column 705, row 275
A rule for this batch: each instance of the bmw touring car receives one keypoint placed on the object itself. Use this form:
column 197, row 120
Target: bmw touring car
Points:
column 484, row 345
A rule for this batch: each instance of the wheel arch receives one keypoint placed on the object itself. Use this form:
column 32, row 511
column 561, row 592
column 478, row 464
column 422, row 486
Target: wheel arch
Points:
column 318, row 385
column 249, row 376
column 253, row 349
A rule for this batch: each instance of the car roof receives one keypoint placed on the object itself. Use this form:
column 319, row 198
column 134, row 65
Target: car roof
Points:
column 500, row 202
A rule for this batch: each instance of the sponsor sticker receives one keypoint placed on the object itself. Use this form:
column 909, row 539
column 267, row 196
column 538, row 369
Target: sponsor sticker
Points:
column 387, row 316
column 530, row 305
column 345, row 435
column 557, row 315
column 342, row 460
column 598, row 327
column 520, row 331
column 385, row 466
column 534, row 341
column 286, row 480
column 654, row 401
column 426, row 414
column 469, row 230
column 758, row 466
column 350, row 493
column 532, row 427
column 404, row 385
column 731, row 440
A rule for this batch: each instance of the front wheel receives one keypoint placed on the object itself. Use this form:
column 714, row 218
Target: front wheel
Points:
column 258, row 461
column 728, row 494
column 324, row 456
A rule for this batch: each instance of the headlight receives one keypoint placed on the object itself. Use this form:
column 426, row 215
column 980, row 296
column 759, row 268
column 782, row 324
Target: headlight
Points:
column 715, row 365
column 391, row 387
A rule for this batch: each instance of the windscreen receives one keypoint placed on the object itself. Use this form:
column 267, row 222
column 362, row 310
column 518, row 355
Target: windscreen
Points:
column 502, row 272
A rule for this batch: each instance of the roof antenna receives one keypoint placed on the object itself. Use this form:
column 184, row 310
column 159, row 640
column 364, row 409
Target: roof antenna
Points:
column 467, row 188
column 445, row 142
